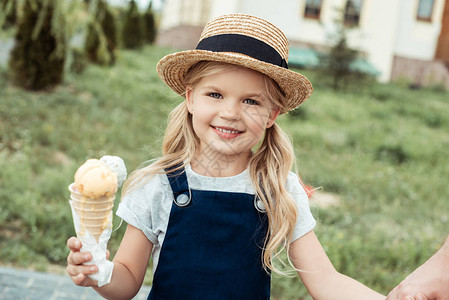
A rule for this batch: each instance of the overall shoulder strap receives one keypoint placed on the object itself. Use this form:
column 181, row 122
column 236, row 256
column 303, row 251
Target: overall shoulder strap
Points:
column 179, row 185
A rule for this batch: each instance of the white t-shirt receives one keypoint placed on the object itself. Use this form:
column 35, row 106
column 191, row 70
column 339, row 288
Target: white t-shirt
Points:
column 148, row 207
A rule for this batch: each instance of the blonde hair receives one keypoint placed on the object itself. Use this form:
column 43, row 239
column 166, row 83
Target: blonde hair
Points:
column 268, row 166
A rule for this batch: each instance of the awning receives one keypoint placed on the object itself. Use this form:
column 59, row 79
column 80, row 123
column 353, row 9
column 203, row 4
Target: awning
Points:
column 363, row 66
column 303, row 58
column 310, row 58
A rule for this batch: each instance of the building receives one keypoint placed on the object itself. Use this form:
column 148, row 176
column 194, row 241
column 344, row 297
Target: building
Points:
column 400, row 38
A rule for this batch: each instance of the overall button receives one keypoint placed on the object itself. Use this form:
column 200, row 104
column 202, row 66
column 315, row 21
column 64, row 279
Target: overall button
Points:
column 258, row 204
column 182, row 200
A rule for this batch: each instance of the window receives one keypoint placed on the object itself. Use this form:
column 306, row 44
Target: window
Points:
column 313, row 9
column 425, row 9
column 352, row 12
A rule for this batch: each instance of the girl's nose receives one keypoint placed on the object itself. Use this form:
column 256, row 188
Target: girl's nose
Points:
column 230, row 110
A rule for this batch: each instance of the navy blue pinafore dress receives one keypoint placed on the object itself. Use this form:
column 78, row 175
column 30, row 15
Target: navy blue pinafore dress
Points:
column 212, row 248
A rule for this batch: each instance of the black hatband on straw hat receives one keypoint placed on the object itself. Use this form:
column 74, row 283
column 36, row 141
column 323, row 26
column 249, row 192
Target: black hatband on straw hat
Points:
column 243, row 44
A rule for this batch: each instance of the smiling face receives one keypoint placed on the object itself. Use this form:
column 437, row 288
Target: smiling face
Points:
column 230, row 112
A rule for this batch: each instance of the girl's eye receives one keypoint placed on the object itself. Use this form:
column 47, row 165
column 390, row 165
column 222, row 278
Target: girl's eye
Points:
column 215, row 95
column 251, row 102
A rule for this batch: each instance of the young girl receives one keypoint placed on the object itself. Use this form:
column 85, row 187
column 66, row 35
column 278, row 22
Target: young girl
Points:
column 221, row 203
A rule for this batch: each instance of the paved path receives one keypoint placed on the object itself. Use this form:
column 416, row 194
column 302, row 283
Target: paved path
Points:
column 29, row 285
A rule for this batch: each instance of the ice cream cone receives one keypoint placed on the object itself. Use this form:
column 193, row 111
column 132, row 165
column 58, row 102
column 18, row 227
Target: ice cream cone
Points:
column 95, row 214
column 92, row 198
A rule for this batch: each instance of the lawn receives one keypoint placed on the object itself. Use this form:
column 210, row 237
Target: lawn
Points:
column 381, row 149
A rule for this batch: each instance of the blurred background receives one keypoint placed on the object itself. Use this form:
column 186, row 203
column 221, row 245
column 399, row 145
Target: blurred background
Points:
column 78, row 81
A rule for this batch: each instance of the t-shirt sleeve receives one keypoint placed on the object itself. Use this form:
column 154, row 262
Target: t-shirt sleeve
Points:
column 306, row 222
column 142, row 208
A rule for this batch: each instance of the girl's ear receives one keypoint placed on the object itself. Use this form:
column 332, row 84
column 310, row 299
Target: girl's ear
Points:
column 272, row 118
column 189, row 98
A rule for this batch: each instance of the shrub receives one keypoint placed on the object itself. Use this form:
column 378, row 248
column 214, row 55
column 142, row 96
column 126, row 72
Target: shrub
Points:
column 337, row 62
column 298, row 113
column 150, row 26
column 395, row 154
column 79, row 62
column 101, row 39
column 132, row 35
column 8, row 13
column 37, row 59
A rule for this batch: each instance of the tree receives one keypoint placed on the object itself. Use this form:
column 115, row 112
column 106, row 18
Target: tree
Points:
column 132, row 34
column 8, row 15
column 101, row 38
column 339, row 61
column 150, row 26
column 37, row 59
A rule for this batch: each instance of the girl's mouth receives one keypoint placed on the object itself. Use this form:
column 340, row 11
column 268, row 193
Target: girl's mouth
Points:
column 226, row 132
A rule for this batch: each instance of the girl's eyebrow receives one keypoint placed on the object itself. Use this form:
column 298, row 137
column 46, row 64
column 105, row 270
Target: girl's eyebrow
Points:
column 211, row 87
column 254, row 95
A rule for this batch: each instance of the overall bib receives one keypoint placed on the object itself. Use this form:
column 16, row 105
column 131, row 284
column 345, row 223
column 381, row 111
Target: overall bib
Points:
column 212, row 248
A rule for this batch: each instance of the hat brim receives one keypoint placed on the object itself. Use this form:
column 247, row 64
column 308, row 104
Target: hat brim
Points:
column 173, row 68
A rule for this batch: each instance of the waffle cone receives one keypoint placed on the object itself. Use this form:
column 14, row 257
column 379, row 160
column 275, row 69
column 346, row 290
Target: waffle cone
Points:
column 95, row 214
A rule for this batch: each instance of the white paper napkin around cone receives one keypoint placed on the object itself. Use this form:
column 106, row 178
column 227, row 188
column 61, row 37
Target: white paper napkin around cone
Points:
column 96, row 248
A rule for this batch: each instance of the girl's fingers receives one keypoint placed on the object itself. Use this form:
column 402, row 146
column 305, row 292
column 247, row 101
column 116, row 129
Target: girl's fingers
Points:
column 73, row 270
column 78, row 258
column 75, row 264
column 74, row 244
column 83, row 280
column 79, row 274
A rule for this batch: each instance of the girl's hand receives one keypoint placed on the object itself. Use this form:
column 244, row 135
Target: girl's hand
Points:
column 75, row 268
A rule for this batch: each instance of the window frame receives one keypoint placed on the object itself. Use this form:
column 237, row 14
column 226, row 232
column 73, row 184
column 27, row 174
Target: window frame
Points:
column 418, row 9
column 316, row 14
column 352, row 19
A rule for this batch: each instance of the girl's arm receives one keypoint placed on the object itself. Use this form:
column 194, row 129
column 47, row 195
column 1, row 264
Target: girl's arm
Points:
column 319, row 275
column 130, row 264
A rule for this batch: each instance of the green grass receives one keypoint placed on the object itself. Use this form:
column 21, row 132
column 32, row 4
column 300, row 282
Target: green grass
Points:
column 381, row 149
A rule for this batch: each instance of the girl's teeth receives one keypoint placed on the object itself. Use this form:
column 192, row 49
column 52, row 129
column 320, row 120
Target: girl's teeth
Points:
column 227, row 131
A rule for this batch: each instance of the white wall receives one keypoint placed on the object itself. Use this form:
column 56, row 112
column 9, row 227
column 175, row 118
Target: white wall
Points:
column 375, row 35
column 281, row 13
column 287, row 15
column 185, row 12
column 418, row 39
column 221, row 7
column 378, row 33
column 170, row 14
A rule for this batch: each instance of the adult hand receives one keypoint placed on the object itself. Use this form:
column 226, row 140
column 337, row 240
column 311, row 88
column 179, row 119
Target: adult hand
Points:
column 75, row 264
column 428, row 282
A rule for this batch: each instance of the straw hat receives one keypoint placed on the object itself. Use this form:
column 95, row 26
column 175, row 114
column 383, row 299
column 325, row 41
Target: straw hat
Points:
column 242, row 40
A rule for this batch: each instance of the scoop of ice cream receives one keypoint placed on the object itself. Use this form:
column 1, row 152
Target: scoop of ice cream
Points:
column 94, row 179
column 117, row 165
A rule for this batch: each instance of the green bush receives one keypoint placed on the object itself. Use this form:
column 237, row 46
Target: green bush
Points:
column 149, row 25
column 132, row 34
column 37, row 59
column 78, row 62
column 395, row 154
column 337, row 63
column 298, row 113
column 101, row 39
column 8, row 13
